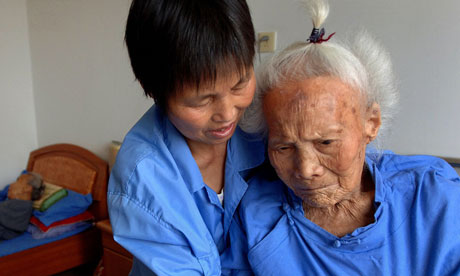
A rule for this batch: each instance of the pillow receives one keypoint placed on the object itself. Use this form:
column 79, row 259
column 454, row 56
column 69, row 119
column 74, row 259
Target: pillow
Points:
column 71, row 205
column 51, row 195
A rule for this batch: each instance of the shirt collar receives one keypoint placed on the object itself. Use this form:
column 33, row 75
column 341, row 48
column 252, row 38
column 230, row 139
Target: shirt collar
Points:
column 244, row 151
column 182, row 155
column 373, row 157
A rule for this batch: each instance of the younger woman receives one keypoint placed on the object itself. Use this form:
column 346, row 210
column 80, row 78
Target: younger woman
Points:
column 180, row 173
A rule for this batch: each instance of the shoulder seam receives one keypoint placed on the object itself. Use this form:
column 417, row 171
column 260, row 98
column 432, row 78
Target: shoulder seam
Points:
column 142, row 156
column 141, row 206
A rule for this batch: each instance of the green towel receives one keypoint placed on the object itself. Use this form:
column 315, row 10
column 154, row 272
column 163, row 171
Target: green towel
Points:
column 51, row 195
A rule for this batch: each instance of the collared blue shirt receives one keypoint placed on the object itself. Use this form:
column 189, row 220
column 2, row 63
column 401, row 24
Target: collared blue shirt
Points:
column 160, row 208
column 416, row 229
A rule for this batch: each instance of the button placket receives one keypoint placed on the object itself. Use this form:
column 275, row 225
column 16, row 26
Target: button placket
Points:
column 337, row 244
column 287, row 210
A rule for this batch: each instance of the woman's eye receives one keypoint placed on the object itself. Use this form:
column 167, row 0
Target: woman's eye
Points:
column 326, row 142
column 240, row 86
column 284, row 148
column 202, row 103
column 238, row 89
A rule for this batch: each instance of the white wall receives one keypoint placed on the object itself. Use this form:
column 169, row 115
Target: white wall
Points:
column 18, row 135
column 85, row 92
column 423, row 37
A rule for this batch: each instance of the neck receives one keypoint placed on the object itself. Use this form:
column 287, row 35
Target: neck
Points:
column 347, row 215
column 211, row 162
column 205, row 153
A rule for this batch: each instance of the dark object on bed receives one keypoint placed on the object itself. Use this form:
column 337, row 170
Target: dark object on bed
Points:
column 77, row 169
column 14, row 217
column 16, row 204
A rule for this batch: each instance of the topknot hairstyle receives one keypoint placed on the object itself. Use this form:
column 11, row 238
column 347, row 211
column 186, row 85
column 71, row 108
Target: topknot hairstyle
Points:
column 176, row 44
column 362, row 63
column 318, row 10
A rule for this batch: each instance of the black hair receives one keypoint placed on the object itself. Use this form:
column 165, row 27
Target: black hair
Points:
column 176, row 44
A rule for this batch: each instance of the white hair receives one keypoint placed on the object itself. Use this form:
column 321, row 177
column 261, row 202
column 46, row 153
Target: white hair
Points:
column 362, row 63
column 318, row 11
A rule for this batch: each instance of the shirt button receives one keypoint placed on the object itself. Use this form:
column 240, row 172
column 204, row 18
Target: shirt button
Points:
column 337, row 244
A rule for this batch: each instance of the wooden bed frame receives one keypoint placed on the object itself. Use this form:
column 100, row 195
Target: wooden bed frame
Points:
column 74, row 168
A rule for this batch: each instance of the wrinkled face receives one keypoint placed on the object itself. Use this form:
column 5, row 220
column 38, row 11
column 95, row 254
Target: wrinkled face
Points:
column 318, row 132
column 209, row 116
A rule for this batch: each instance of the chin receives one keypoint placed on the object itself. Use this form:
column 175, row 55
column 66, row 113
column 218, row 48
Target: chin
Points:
column 218, row 141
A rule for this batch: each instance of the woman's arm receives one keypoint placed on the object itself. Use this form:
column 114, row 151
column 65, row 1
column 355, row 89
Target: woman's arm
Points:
column 158, row 245
column 155, row 217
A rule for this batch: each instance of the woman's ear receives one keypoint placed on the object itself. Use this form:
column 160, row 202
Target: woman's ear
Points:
column 373, row 122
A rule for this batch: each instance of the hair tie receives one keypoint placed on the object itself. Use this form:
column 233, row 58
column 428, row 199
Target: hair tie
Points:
column 316, row 36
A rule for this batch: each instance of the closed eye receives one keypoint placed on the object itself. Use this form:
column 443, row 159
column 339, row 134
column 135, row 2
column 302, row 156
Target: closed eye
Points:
column 283, row 149
column 240, row 85
column 243, row 82
column 326, row 142
column 202, row 102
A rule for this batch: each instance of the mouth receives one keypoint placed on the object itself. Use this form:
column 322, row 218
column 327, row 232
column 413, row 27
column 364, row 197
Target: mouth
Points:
column 223, row 132
column 315, row 189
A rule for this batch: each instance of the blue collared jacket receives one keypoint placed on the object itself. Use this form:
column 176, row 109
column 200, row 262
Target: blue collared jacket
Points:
column 416, row 229
column 161, row 210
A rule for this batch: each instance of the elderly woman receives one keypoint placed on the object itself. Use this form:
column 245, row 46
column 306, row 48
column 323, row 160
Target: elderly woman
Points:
column 335, row 207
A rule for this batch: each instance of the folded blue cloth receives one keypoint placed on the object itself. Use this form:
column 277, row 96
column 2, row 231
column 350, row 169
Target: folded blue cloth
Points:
column 69, row 206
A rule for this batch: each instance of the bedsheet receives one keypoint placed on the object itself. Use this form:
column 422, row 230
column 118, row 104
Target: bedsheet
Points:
column 26, row 241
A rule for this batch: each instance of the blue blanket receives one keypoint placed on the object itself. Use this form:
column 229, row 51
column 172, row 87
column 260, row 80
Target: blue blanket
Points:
column 25, row 241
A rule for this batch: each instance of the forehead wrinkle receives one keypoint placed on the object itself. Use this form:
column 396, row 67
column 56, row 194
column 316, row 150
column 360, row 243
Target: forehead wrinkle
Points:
column 302, row 100
column 302, row 107
column 309, row 110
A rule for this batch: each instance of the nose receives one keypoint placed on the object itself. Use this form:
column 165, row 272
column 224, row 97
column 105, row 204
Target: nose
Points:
column 225, row 111
column 309, row 166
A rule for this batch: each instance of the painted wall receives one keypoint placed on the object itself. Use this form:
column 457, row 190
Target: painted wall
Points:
column 422, row 37
column 18, row 134
column 85, row 92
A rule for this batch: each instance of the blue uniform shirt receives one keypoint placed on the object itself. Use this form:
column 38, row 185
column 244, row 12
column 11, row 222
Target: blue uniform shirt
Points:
column 416, row 229
column 160, row 208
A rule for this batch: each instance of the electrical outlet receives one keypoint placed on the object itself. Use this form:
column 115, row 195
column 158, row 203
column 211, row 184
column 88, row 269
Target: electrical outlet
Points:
column 266, row 42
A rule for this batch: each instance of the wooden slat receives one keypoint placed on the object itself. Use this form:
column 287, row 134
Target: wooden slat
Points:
column 54, row 257
column 107, row 238
column 116, row 264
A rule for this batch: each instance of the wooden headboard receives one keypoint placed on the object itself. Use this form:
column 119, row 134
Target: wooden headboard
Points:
column 74, row 168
